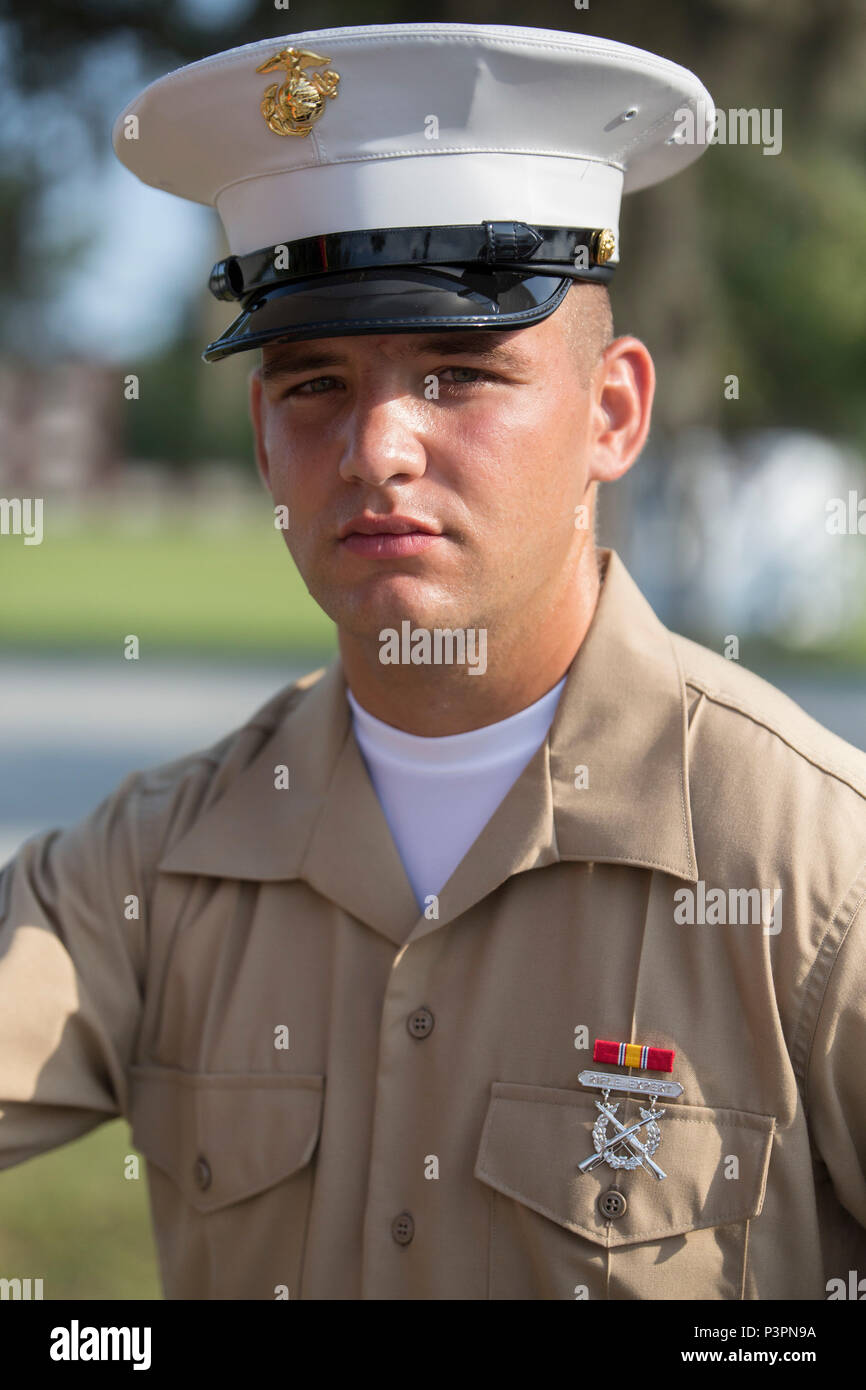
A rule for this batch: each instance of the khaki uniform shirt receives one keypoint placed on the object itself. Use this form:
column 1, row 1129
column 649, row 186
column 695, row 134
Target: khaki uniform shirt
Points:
column 419, row 1135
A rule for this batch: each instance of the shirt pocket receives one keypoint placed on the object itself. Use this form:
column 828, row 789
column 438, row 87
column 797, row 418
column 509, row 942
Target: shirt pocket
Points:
column 230, row 1173
column 683, row 1237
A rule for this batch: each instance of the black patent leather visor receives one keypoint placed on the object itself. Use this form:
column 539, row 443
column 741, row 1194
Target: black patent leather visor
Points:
column 391, row 300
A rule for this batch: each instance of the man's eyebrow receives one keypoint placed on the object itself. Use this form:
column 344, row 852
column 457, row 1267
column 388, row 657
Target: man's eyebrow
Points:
column 484, row 344
column 302, row 360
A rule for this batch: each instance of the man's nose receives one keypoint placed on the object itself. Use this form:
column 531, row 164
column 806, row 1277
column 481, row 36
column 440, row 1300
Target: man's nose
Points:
column 383, row 442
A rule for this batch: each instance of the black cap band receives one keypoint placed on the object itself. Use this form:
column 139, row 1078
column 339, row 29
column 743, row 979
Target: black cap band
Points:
column 572, row 251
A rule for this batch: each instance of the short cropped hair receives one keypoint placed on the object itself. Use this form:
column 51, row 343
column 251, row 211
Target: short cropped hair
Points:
column 589, row 324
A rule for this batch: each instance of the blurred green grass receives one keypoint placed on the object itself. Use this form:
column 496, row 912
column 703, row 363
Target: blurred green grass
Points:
column 72, row 1219
column 176, row 583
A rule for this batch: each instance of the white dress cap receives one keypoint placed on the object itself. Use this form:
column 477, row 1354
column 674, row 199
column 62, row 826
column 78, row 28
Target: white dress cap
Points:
column 413, row 125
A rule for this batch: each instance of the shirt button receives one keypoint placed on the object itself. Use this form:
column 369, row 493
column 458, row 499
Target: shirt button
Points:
column 403, row 1228
column 420, row 1023
column 201, row 1173
column 612, row 1204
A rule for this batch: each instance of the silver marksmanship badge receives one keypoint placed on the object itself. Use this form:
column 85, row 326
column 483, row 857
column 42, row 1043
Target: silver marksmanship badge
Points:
column 629, row 1146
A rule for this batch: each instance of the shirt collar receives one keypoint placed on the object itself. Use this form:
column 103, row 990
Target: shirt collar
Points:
column 622, row 717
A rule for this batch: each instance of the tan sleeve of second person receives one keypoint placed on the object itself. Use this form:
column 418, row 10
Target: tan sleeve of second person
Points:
column 72, row 952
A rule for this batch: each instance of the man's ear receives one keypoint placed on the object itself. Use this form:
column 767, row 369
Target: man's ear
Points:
column 257, row 408
column 623, row 389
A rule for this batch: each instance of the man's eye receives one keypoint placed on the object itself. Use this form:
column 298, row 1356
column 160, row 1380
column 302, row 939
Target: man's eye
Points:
column 315, row 387
column 465, row 375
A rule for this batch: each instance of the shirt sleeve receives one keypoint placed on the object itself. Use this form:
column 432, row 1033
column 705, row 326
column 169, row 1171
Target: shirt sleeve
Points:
column 72, row 910
column 836, row 1075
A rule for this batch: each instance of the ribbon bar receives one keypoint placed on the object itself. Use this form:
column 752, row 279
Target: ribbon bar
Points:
column 634, row 1055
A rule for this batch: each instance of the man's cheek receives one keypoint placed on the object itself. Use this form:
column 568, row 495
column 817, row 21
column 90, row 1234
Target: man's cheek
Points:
column 289, row 487
column 298, row 541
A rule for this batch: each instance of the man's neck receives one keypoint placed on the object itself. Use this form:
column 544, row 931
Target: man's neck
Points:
column 500, row 674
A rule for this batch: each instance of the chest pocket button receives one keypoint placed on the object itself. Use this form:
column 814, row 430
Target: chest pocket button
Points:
column 612, row 1204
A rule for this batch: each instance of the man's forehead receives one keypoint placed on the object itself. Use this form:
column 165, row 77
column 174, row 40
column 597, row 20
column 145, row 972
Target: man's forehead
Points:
column 507, row 347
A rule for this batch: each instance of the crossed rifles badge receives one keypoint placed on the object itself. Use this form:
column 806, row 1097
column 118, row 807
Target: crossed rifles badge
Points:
column 294, row 106
column 629, row 1146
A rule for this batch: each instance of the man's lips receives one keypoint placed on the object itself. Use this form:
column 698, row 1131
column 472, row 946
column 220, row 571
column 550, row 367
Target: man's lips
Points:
column 386, row 537
column 386, row 544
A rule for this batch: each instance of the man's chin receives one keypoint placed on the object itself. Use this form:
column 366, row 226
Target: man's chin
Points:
column 386, row 601
column 384, row 620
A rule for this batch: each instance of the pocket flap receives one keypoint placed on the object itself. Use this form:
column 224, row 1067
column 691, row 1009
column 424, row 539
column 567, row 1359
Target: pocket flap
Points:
column 221, row 1138
column 535, row 1136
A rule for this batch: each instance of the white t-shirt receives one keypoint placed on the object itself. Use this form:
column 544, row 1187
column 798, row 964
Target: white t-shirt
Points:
column 437, row 794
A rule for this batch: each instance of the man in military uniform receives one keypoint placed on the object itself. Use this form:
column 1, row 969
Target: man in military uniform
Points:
column 520, row 953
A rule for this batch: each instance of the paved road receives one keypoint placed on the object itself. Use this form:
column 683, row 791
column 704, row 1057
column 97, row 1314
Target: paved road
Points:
column 70, row 730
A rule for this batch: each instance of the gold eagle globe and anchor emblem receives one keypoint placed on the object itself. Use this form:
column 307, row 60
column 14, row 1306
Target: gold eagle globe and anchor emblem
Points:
column 293, row 107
